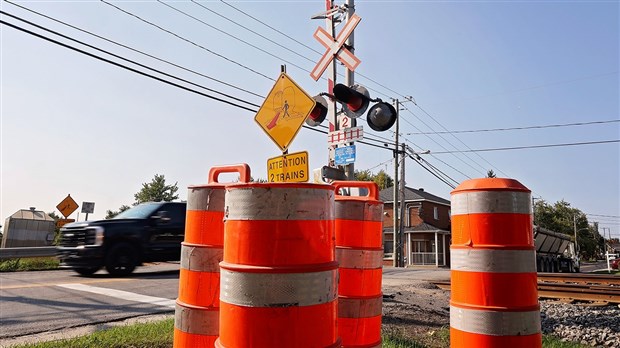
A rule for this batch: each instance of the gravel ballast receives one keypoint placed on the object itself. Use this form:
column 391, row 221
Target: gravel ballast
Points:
column 588, row 325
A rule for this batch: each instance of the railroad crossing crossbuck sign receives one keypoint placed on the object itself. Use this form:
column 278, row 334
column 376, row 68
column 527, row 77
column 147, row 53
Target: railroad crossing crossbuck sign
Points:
column 284, row 111
column 334, row 47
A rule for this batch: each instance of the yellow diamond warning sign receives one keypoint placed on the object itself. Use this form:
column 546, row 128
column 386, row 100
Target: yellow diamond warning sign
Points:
column 288, row 168
column 67, row 206
column 284, row 111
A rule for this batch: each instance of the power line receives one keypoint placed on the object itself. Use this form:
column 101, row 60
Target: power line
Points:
column 126, row 59
column 135, row 50
column 516, row 128
column 122, row 66
column 188, row 41
column 230, row 35
column 445, row 181
column 435, row 141
column 270, row 27
column 248, row 29
column 530, row 147
column 457, row 138
column 609, row 216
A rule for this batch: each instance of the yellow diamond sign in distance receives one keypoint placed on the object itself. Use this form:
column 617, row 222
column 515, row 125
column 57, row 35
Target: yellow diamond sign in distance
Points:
column 67, row 206
column 288, row 168
column 284, row 111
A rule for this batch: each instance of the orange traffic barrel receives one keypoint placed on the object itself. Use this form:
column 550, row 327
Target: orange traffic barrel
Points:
column 358, row 225
column 196, row 322
column 279, row 282
column 494, row 297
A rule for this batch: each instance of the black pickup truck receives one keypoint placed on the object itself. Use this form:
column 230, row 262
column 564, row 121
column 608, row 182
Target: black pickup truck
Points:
column 148, row 232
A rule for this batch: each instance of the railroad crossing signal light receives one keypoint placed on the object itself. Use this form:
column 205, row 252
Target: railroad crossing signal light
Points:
column 381, row 116
column 318, row 114
column 355, row 99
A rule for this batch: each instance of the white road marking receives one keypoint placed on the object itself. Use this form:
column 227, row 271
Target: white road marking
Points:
column 124, row 295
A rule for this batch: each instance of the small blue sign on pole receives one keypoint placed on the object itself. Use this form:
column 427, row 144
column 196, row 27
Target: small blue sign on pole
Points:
column 344, row 155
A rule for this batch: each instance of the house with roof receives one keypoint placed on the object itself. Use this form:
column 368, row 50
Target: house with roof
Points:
column 426, row 233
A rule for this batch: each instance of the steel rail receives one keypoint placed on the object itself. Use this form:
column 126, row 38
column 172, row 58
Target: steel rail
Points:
column 581, row 292
column 579, row 278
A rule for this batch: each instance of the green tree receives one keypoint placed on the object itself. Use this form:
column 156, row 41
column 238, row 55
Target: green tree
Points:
column 157, row 191
column 112, row 213
column 382, row 179
column 491, row 174
column 56, row 217
column 561, row 217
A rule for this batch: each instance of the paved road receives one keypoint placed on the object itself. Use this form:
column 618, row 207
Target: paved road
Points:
column 35, row 302
column 593, row 266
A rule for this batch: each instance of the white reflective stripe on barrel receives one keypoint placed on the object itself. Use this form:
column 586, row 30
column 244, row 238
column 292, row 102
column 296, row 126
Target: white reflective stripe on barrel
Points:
column 201, row 258
column 205, row 198
column 358, row 210
column 199, row 321
column 271, row 203
column 359, row 258
column 359, row 307
column 492, row 260
column 491, row 202
column 495, row 323
column 278, row 289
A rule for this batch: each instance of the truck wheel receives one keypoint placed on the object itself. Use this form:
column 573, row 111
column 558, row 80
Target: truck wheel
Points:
column 121, row 260
column 86, row 271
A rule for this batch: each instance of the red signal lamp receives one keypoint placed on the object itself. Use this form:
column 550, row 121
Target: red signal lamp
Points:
column 355, row 99
column 318, row 114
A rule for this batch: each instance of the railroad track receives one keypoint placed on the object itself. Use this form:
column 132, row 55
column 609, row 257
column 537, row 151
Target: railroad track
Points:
column 597, row 288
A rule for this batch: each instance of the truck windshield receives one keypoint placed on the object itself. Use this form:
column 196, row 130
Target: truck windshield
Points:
column 141, row 211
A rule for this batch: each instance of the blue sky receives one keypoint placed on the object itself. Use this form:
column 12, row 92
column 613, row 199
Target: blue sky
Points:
column 72, row 124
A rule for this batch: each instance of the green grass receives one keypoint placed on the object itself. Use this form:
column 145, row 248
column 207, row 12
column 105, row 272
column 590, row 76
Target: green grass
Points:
column 395, row 339
column 159, row 334
column 148, row 335
column 29, row 264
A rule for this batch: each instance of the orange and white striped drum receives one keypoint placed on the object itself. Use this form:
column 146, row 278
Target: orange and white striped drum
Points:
column 359, row 252
column 279, row 275
column 196, row 321
column 494, row 296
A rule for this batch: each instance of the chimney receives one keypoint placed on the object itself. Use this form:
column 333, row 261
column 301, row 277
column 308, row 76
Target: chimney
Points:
column 33, row 209
column 421, row 189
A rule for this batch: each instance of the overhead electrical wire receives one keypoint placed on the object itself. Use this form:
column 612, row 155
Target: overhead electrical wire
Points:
column 445, row 181
column 607, row 216
column 530, row 147
column 250, row 30
column 134, row 49
column 226, row 33
column 188, row 41
column 127, row 60
column 442, row 137
column 516, row 128
column 122, row 66
column 438, row 143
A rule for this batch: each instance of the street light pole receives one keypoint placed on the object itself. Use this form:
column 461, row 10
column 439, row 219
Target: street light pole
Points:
column 575, row 229
column 395, row 251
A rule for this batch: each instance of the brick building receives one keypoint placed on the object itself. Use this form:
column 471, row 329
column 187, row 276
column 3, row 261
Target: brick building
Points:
column 426, row 236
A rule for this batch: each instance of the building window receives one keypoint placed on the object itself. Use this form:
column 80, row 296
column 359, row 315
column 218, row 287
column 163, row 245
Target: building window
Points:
column 436, row 213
